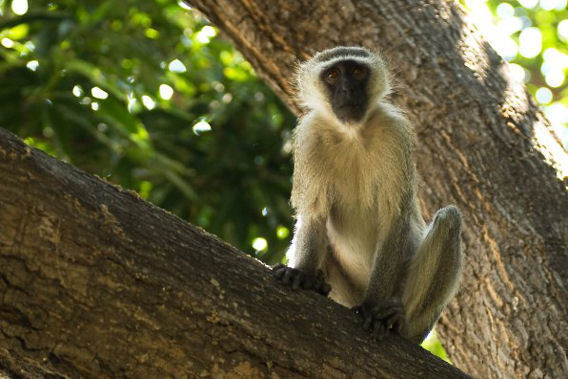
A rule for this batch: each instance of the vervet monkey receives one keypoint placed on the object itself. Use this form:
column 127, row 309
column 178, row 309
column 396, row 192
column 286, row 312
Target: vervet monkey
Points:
column 360, row 235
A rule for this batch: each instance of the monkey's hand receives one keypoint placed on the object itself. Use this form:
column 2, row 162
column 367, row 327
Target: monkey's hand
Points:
column 380, row 319
column 299, row 279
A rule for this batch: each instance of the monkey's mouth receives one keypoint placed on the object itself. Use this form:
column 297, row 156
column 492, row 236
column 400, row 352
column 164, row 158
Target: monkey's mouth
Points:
column 350, row 112
column 350, row 105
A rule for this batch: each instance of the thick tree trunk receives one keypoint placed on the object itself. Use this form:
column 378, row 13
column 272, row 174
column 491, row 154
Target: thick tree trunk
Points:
column 482, row 144
column 96, row 282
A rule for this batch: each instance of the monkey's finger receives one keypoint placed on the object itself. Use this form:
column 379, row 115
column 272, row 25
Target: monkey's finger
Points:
column 380, row 331
column 368, row 322
column 382, row 313
column 288, row 275
column 394, row 323
column 391, row 322
column 279, row 273
column 323, row 288
column 308, row 283
column 277, row 267
column 296, row 281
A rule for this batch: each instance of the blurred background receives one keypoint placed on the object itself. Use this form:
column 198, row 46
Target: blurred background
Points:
column 147, row 95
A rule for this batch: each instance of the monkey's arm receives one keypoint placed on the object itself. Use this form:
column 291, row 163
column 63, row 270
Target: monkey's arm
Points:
column 311, row 202
column 309, row 245
column 305, row 256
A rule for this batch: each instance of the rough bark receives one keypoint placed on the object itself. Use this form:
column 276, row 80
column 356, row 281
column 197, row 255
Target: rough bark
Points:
column 96, row 282
column 482, row 144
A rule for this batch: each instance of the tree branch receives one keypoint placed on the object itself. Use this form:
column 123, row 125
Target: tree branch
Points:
column 96, row 281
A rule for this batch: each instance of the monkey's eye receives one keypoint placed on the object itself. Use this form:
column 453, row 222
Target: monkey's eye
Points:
column 358, row 72
column 332, row 74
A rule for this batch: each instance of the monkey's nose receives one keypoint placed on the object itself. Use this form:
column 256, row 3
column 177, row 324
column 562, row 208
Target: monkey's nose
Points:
column 345, row 91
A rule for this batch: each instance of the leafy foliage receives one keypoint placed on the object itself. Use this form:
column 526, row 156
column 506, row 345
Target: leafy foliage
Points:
column 145, row 95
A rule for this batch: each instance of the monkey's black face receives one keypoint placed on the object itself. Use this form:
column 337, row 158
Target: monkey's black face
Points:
column 346, row 82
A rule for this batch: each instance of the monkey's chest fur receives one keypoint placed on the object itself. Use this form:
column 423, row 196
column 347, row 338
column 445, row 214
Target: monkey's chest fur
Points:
column 362, row 184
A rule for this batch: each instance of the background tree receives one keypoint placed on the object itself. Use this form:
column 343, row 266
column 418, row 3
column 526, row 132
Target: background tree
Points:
column 104, row 87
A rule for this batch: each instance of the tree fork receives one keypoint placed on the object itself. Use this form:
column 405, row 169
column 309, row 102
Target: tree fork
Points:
column 95, row 281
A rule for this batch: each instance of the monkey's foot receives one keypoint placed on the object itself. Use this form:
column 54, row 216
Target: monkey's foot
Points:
column 298, row 279
column 383, row 318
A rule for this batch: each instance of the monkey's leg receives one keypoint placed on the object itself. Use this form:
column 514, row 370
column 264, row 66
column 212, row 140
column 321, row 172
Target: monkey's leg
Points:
column 434, row 273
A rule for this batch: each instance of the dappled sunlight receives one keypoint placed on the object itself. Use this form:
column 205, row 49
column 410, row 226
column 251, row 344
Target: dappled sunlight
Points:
column 148, row 102
column 20, row 7
column 205, row 34
column 166, row 92
column 177, row 66
column 546, row 142
column 514, row 36
column 33, row 64
column 543, row 138
column 99, row 93
column 201, row 127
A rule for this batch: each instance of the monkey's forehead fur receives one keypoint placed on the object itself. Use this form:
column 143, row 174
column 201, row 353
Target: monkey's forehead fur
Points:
column 311, row 92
